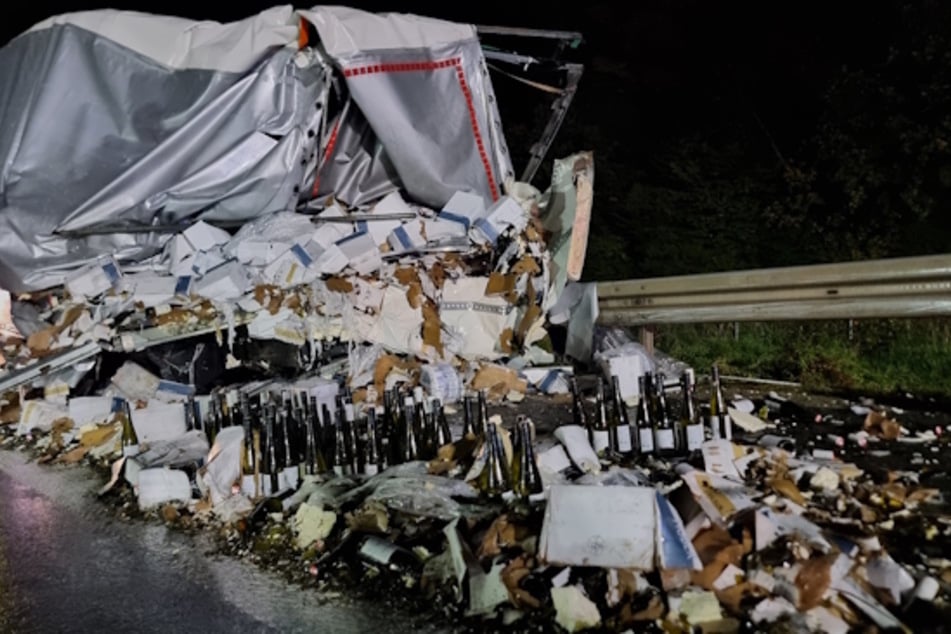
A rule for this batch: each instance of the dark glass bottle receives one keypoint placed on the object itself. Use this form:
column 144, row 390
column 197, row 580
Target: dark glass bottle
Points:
column 645, row 426
column 528, row 481
column 665, row 438
column 693, row 428
column 620, row 426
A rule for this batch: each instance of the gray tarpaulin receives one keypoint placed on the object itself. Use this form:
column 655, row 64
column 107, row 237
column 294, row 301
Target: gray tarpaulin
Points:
column 424, row 87
column 110, row 118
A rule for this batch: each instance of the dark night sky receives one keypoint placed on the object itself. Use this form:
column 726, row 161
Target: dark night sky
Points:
column 679, row 63
column 775, row 54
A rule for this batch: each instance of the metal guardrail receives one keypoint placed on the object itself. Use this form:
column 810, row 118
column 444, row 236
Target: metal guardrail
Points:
column 895, row 287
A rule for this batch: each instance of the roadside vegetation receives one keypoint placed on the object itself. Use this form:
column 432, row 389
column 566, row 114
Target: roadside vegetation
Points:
column 879, row 356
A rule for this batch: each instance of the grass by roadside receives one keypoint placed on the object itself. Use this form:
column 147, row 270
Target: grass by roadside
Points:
column 881, row 356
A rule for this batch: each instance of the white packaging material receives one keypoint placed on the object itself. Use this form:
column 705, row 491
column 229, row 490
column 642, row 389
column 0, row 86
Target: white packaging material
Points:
column 228, row 281
column 602, row 526
column 223, row 466
column 575, row 440
column 152, row 289
column 8, row 329
column 39, row 415
column 362, row 252
column 295, row 266
column 504, row 213
column 549, row 380
column 478, row 320
column 180, row 255
column 158, row 421
column 160, row 485
column 407, row 237
column 440, row 231
column 463, row 209
column 135, row 382
column 204, row 237
column 442, row 381
column 204, row 261
column 90, row 410
column 94, row 280
column 173, row 391
column 718, row 457
column 392, row 203
column 627, row 363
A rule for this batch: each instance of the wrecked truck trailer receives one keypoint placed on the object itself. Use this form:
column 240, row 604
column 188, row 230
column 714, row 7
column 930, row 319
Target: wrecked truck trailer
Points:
column 228, row 122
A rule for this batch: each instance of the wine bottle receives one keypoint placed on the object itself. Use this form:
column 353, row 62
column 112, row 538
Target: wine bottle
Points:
column 123, row 413
column 371, row 461
column 620, row 423
column 467, row 416
column 483, row 419
column 577, row 406
column 409, row 448
column 528, row 481
column 598, row 433
column 494, row 480
column 693, row 428
column 443, row 432
column 664, row 439
column 645, row 427
column 719, row 417
column 341, row 461
column 270, row 448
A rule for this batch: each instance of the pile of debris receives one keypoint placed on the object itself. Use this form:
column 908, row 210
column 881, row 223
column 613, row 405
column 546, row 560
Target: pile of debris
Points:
column 583, row 523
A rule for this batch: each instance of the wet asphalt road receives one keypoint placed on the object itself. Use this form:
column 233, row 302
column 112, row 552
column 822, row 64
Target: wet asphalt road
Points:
column 67, row 565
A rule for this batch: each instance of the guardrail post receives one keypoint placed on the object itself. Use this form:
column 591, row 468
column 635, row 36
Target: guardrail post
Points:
column 647, row 338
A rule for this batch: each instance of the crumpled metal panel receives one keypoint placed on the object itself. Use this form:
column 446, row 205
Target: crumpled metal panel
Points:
column 96, row 134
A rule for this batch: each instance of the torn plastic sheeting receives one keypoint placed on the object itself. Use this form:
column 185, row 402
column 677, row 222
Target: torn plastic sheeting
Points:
column 188, row 449
column 608, row 527
column 196, row 163
column 627, row 363
column 577, row 306
column 426, row 496
column 474, row 156
column 223, row 466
